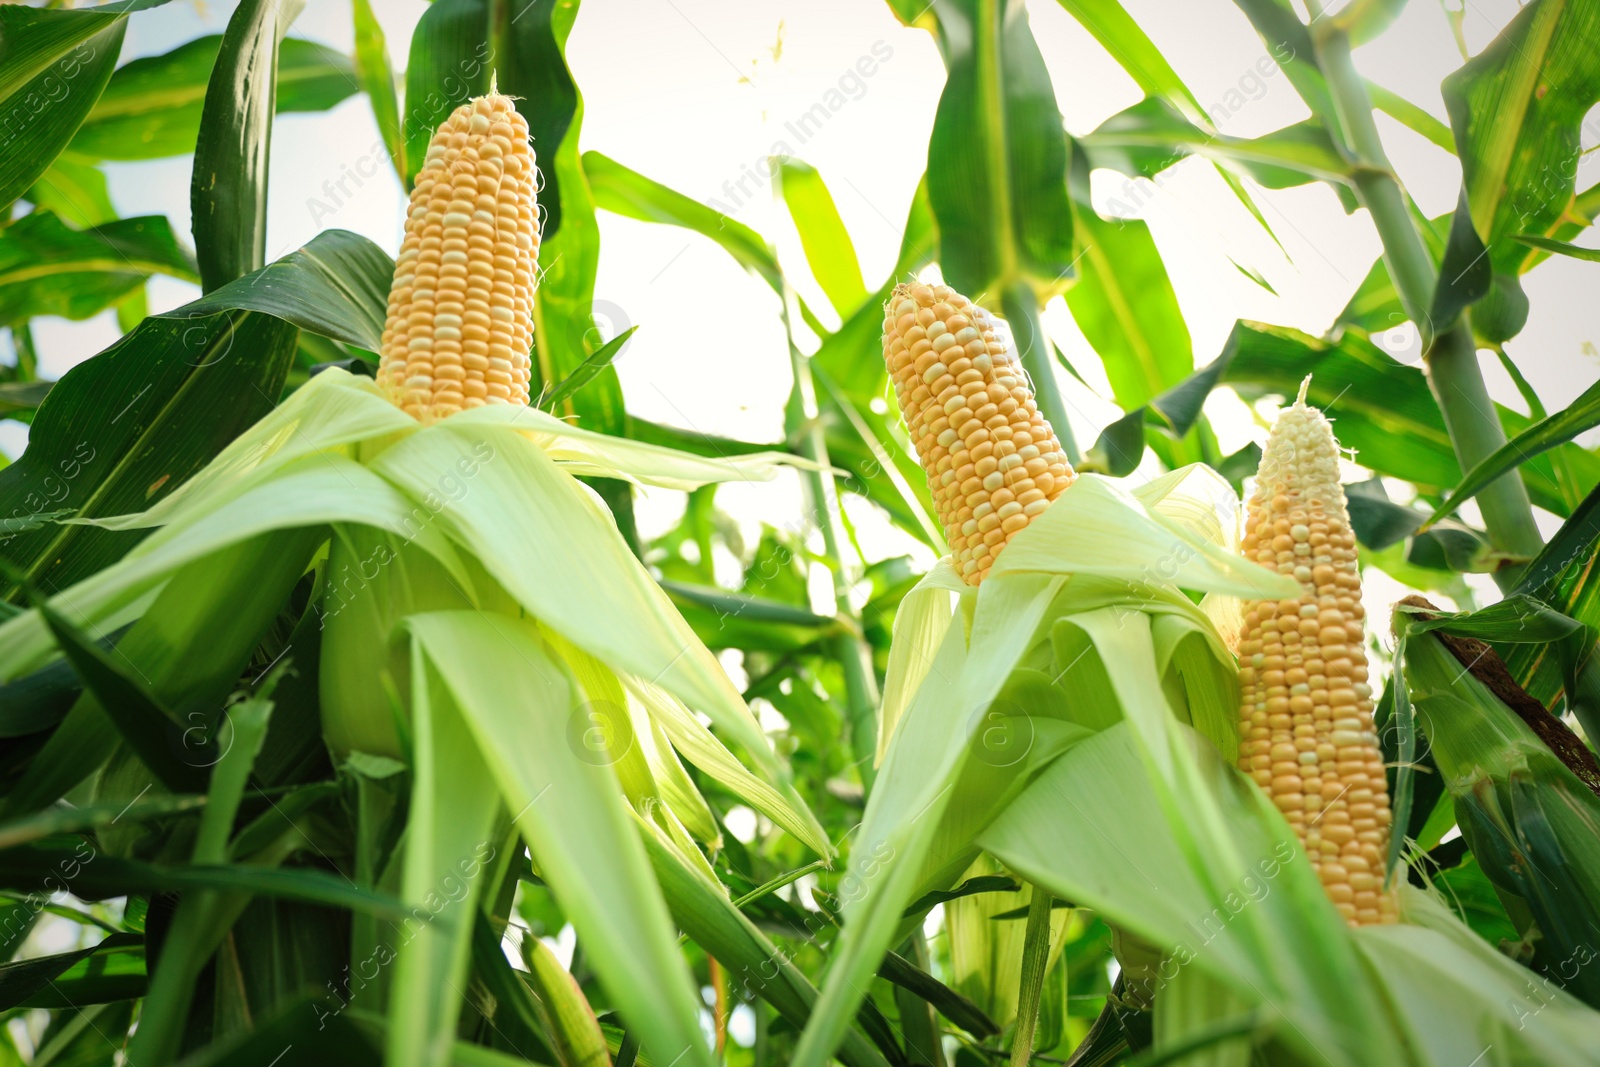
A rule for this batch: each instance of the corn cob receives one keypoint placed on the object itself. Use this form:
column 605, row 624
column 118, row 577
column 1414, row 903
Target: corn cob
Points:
column 993, row 462
column 1306, row 711
column 459, row 325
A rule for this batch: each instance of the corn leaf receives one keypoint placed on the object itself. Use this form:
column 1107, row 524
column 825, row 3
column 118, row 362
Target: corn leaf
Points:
column 48, row 269
column 997, row 157
column 180, row 379
column 1582, row 414
column 1125, row 306
column 151, row 107
column 228, row 193
column 624, row 191
column 56, row 64
column 1515, row 109
column 826, row 243
column 516, row 702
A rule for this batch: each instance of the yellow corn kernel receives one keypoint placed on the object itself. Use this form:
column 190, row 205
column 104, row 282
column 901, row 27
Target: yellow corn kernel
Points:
column 460, row 310
column 1306, row 732
column 993, row 462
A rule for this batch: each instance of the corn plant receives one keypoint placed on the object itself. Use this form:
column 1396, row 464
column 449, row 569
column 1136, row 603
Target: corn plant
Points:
column 349, row 711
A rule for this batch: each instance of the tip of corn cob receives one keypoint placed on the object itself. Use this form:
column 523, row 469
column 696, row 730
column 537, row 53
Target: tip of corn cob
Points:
column 459, row 324
column 993, row 462
column 1306, row 706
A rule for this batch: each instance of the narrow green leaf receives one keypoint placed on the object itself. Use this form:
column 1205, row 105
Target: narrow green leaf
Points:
column 1411, row 116
column 586, row 372
column 228, row 193
column 1582, row 414
column 827, row 244
column 1563, row 248
column 377, row 78
column 25, row 979
column 150, row 729
column 624, row 191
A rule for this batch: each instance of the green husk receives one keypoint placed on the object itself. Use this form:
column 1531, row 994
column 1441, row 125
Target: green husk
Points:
column 1110, row 699
column 474, row 597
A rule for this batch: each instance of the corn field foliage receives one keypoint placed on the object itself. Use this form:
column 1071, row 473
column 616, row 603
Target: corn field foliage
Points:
column 347, row 719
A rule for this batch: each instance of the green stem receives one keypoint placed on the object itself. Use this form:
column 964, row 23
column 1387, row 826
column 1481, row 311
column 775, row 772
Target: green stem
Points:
column 1452, row 356
column 850, row 647
column 1035, row 955
column 1021, row 309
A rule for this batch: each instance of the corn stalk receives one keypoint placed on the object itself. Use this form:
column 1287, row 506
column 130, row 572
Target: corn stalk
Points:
column 1451, row 357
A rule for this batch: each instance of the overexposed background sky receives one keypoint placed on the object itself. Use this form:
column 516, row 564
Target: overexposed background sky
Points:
column 695, row 92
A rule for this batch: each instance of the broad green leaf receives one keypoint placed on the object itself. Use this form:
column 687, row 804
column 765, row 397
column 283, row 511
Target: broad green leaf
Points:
column 1124, row 303
column 323, row 490
column 151, row 108
column 1458, row 996
column 377, row 78
column 1150, row 136
column 919, row 629
column 336, row 285
column 1383, row 409
column 56, row 63
column 228, row 193
column 1582, row 414
column 1233, row 896
column 189, row 645
column 1562, row 248
column 190, row 381
column 1526, row 816
column 827, row 244
column 1515, row 109
column 528, row 46
column 1098, row 528
column 997, row 157
column 76, row 192
column 627, row 192
column 448, row 66
column 517, row 702
column 47, row 268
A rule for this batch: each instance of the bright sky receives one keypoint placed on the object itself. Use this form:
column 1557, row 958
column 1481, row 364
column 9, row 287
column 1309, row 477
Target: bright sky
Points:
column 695, row 92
